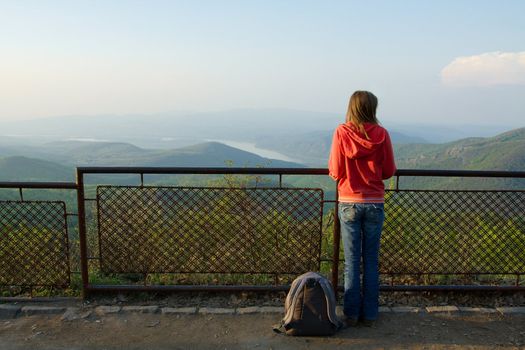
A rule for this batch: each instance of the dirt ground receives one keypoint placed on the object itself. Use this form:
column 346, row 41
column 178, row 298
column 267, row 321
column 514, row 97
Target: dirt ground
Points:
column 146, row 331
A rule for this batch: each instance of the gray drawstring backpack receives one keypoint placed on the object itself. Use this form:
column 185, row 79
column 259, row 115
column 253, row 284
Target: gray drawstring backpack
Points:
column 309, row 307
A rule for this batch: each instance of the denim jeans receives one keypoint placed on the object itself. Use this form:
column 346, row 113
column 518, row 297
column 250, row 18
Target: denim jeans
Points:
column 361, row 225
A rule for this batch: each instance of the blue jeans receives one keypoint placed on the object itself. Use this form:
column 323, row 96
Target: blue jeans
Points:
column 361, row 225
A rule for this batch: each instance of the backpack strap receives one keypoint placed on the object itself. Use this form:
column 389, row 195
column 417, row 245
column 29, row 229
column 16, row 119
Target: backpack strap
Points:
column 279, row 328
column 291, row 306
column 291, row 293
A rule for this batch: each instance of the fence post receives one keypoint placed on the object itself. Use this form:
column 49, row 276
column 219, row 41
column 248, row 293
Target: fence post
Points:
column 337, row 240
column 82, row 232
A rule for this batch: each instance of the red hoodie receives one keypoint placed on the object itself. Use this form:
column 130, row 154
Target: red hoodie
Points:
column 361, row 165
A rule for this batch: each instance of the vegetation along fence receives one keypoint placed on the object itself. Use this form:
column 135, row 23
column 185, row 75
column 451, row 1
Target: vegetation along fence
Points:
column 211, row 229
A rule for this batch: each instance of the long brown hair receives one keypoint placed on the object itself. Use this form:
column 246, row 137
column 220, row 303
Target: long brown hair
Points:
column 362, row 108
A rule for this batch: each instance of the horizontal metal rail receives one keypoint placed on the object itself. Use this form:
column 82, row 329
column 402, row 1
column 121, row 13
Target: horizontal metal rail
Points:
column 459, row 173
column 40, row 185
column 290, row 171
column 285, row 288
column 202, row 170
column 448, row 288
column 188, row 288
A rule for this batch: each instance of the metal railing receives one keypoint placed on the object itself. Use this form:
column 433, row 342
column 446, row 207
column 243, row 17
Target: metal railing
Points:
column 430, row 235
column 272, row 230
column 34, row 243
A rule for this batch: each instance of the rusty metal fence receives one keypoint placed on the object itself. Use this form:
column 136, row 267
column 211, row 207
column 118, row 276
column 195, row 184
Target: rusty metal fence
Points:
column 144, row 231
column 454, row 239
column 451, row 232
column 147, row 231
column 209, row 230
column 34, row 244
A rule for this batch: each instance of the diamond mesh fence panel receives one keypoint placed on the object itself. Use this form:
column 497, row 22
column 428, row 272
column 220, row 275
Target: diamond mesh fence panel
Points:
column 446, row 232
column 33, row 244
column 209, row 230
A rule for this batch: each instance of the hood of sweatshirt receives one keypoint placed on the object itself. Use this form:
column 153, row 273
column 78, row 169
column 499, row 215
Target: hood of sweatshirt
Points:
column 355, row 144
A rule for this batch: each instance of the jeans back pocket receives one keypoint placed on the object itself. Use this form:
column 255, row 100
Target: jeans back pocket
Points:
column 347, row 212
column 375, row 212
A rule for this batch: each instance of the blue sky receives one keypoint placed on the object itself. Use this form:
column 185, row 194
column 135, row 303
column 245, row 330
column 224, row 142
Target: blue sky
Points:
column 439, row 61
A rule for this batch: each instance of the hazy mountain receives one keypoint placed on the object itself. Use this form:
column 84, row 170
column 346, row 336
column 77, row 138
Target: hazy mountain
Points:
column 438, row 133
column 56, row 160
column 30, row 169
column 60, row 158
column 209, row 154
column 313, row 148
column 178, row 129
column 93, row 153
column 212, row 154
column 6, row 151
column 241, row 124
column 502, row 152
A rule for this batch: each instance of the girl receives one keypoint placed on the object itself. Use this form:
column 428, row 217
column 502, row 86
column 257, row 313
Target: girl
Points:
column 360, row 159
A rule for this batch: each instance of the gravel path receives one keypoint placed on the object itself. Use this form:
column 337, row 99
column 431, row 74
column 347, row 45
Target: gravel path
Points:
column 132, row 330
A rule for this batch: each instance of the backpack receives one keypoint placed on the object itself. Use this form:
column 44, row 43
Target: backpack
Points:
column 310, row 307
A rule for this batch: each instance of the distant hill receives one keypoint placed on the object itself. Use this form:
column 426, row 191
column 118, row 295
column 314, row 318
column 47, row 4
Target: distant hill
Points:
column 313, row 148
column 502, row 152
column 177, row 129
column 60, row 158
column 29, row 169
column 210, row 154
column 93, row 153
column 55, row 161
column 237, row 124
column 6, row 151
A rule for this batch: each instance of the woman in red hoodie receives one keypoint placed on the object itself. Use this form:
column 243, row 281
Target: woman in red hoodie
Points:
column 360, row 159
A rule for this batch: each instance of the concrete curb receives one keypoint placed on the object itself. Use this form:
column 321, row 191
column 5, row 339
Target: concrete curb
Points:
column 271, row 310
column 153, row 309
column 483, row 310
column 10, row 311
column 216, row 311
column 445, row 308
column 107, row 309
column 178, row 310
column 407, row 309
column 248, row 310
column 511, row 310
column 42, row 310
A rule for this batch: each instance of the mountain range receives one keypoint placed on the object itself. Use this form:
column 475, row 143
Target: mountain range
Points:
column 55, row 161
column 313, row 148
column 178, row 129
column 502, row 152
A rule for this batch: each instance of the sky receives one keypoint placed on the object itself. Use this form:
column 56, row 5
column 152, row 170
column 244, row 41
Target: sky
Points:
column 451, row 62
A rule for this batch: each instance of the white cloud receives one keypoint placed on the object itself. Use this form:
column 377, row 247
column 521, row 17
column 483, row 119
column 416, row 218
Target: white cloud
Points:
column 487, row 69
